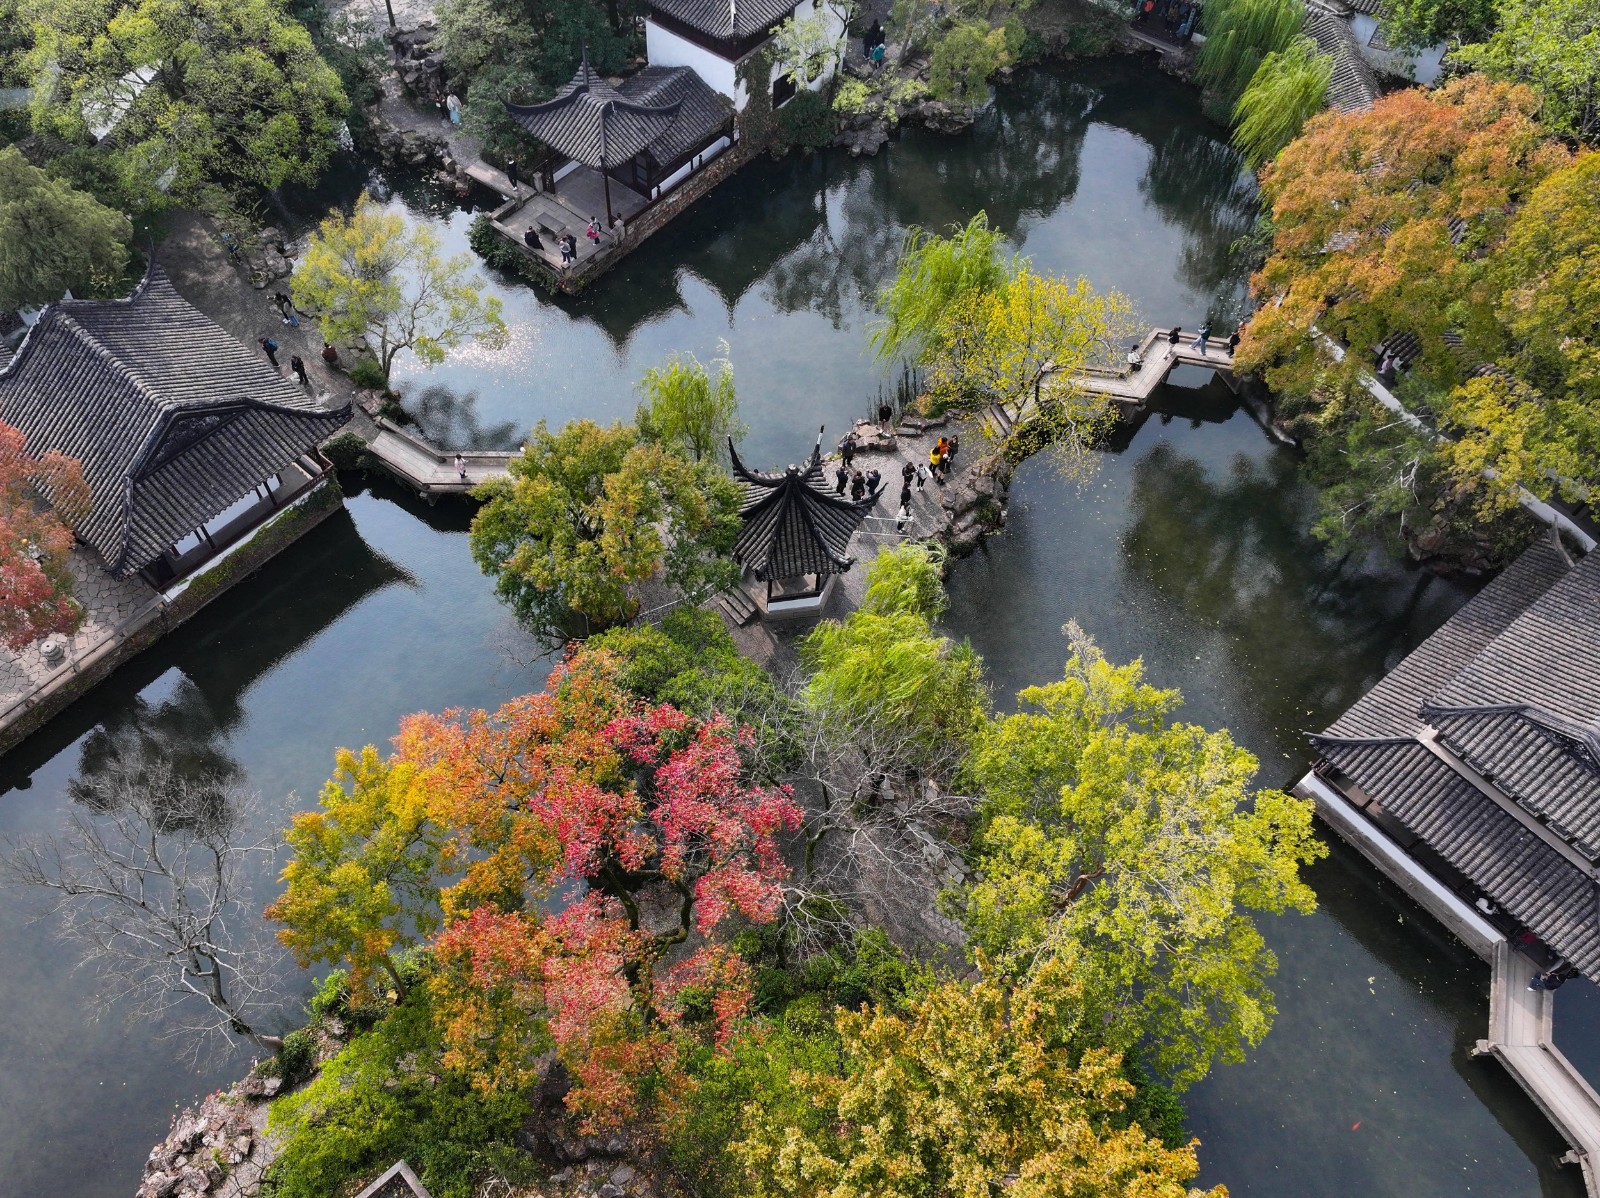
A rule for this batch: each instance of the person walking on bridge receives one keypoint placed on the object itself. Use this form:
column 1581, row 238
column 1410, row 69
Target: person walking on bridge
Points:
column 1202, row 337
column 461, row 467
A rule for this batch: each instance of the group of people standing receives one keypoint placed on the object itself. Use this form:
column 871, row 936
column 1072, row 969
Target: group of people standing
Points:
column 872, row 45
column 1177, row 17
column 862, row 484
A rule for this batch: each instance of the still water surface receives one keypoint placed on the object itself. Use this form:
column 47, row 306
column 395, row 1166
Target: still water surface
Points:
column 1190, row 548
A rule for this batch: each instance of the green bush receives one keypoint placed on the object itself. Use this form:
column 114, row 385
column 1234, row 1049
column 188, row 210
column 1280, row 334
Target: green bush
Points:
column 367, row 374
column 388, row 1095
column 806, row 122
column 1153, row 1107
column 297, row 1059
column 347, row 451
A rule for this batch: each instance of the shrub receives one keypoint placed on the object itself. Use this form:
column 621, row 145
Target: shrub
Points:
column 347, row 451
column 964, row 58
column 388, row 1095
column 805, row 121
column 852, row 98
column 297, row 1059
column 368, row 374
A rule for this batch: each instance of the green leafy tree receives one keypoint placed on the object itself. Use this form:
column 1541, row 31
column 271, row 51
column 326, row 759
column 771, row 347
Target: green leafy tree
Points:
column 806, row 48
column 1287, row 90
column 686, row 408
column 53, row 238
column 1418, row 24
column 232, row 96
column 589, row 512
column 1552, row 46
column 973, row 1089
column 965, row 57
column 1239, row 36
column 1132, row 843
column 933, row 272
column 365, row 875
column 374, row 275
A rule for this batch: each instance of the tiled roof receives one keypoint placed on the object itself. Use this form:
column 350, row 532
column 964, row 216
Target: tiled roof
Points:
column 593, row 122
column 171, row 418
column 701, row 111
column 793, row 526
column 1391, row 707
column 1508, row 861
column 728, row 19
column 1551, row 772
column 1353, row 87
column 1549, row 657
column 1511, row 686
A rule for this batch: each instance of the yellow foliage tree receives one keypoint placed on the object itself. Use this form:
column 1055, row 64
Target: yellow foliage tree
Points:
column 974, row 1090
column 374, row 275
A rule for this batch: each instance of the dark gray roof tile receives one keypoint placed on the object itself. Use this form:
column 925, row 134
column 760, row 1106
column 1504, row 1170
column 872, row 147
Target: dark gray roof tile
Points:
column 728, row 19
column 171, row 418
column 793, row 526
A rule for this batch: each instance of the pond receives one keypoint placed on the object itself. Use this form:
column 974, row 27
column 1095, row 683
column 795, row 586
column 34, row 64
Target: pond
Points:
column 1189, row 547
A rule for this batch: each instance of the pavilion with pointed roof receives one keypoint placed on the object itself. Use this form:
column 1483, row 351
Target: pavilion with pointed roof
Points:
column 796, row 534
column 639, row 134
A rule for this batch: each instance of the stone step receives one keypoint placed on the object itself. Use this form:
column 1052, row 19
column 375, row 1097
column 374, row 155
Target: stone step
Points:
column 740, row 608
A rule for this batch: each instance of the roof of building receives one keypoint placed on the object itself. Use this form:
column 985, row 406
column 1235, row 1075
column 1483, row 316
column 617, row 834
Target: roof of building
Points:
column 666, row 110
column 1509, row 692
column 728, row 19
column 793, row 526
column 1352, row 87
column 170, row 417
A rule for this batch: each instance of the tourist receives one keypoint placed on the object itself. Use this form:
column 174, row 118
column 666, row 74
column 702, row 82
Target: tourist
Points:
column 1135, row 358
column 531, row 239
column 329, row 354
column 461, row 467
column 903, row 516
column 1386, row 371
column 858, row 486
column 1234, row 338
column 593, row 231
column 874, row 38
column 511, row 173
column 569, row 250
column 298, row 365
column 841, row 479
column 885, row 414
column 950, row 447
column 286, row 308
column 874, row 477
column 1201, row 337
column 270, row 348
column 877, row 57
column 1175, row 335
column 907, row 473
column 905, row 493
column 847, row 448
column 452, row 105
column 1553, row 978
column 922, row 474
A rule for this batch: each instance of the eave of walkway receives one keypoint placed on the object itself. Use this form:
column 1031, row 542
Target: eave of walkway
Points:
column 1520, row 1033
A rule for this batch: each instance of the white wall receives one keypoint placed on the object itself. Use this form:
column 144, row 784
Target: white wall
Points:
column 663, row 48
column 1423, row 66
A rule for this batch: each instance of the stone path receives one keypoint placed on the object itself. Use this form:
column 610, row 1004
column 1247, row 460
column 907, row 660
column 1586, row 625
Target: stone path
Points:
column 432, row 471
column 109, row 605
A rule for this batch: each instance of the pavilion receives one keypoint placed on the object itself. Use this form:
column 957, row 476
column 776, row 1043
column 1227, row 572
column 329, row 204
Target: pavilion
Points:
column 641, row 138
column 187, row 440
column 795, row 534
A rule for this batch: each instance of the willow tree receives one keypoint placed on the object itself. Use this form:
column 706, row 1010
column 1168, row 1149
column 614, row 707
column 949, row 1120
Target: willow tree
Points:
column 1239, row 36
column 934, row 272
column 1287, row 90
column 686, row 407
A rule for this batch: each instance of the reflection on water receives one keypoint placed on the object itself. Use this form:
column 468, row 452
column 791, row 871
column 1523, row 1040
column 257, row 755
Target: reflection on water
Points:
column 1190, row 548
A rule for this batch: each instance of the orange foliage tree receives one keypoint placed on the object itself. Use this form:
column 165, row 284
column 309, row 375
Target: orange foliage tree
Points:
column 602, row 846
column 39, row 496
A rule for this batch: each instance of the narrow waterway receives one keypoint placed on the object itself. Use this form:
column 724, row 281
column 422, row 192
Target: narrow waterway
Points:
column 1190, row 548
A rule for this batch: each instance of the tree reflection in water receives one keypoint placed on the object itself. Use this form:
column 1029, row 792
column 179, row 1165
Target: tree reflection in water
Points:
column 1236, row 554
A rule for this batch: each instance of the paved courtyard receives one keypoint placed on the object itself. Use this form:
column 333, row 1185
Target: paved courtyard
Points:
column 108, row 604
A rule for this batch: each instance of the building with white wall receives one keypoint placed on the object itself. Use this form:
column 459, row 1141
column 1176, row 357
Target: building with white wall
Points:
column 715, row 37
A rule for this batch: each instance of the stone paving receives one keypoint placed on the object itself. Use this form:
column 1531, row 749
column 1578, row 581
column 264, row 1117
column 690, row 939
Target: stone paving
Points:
column 108, row 603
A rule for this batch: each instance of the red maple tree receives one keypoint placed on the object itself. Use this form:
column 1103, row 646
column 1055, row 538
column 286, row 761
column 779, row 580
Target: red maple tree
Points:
column 36, row 495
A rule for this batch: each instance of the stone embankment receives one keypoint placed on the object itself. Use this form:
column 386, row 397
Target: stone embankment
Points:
column 216, row 1150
